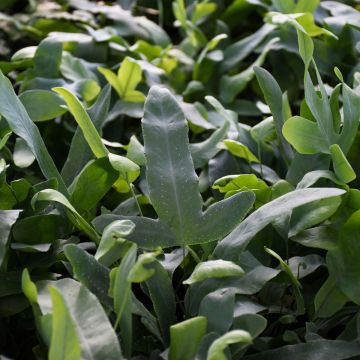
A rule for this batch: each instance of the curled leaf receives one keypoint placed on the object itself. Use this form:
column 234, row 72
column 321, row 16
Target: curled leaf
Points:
column 214, row 269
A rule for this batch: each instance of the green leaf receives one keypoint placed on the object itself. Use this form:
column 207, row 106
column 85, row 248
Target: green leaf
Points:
column 179, row 10
column 80, row 153
column 149, row 320
column 112, row 239
column 218, row 307
column 22, row 156
column 82, row 118
column 238, row 51
column 307, row 22
column 135, row 151
column 231, row 86
column 176, row 196
column 35, row 248
column 7, row 220
column 48, row 228
column 351, row 111
column 92, row 183
column 21, row 189
column 64, row 339
column 240, row 150
column 219, row 108
column 342, row 261
column 273, row 97
column 141, row 271
column 312, row 177
column 302, row 22
column 42, row 105
column 335, row 109
column 185, row 338
column 295, row 282
column 320, row 108
column 74, row 216
column 216, row 350
column 74, row 68
column 96, row 336
column 20, row 123
column 342, row 167
column 24, row 53
column 322, row 237
column 232, row 184
column 89, row 272
column 311, row 214
column 304, row 135
column 221, row 217
column 148, row 233
column 128, row 170
column 306, row 48
column 201, row 10
column 204, row 151
column 7, row 198
column 149, row 50
column 122, row 299
column 47, row 59
column 319, row 105
column 264, row 131
column 214, row 269
column 236, row 242
column 211, row 45
column 285, row 6
column 128, row 77
column 329, row 299
column 162, row 295
column 87, row 89
column 238, row 182
column 320, row 349
column 306, row 6
column 4, row 139
column 28, row 287
column 254, row 324
column 250, row 283
column 112, row 80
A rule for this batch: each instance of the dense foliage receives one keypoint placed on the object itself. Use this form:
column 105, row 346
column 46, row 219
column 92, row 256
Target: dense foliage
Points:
column 179, row 179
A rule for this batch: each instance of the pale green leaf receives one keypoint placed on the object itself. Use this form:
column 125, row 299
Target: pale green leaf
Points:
column 214, row 269
column 64, row 343
column 240, row 150
column 304, row 135
column 216, row 350
column 342, row 167
column 185, row 338
column 82, row 118
column 28, row 287
column 113, row 235
column 97, row 338
column 22, row 156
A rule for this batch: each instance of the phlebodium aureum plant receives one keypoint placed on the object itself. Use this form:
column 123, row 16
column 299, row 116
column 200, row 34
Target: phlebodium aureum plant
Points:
column 201, row 199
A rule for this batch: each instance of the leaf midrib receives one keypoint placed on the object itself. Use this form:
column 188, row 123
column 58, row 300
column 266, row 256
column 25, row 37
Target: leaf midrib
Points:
column 179, row 209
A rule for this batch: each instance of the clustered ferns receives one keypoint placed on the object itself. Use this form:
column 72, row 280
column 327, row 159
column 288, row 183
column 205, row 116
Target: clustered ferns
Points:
column 208, row 202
